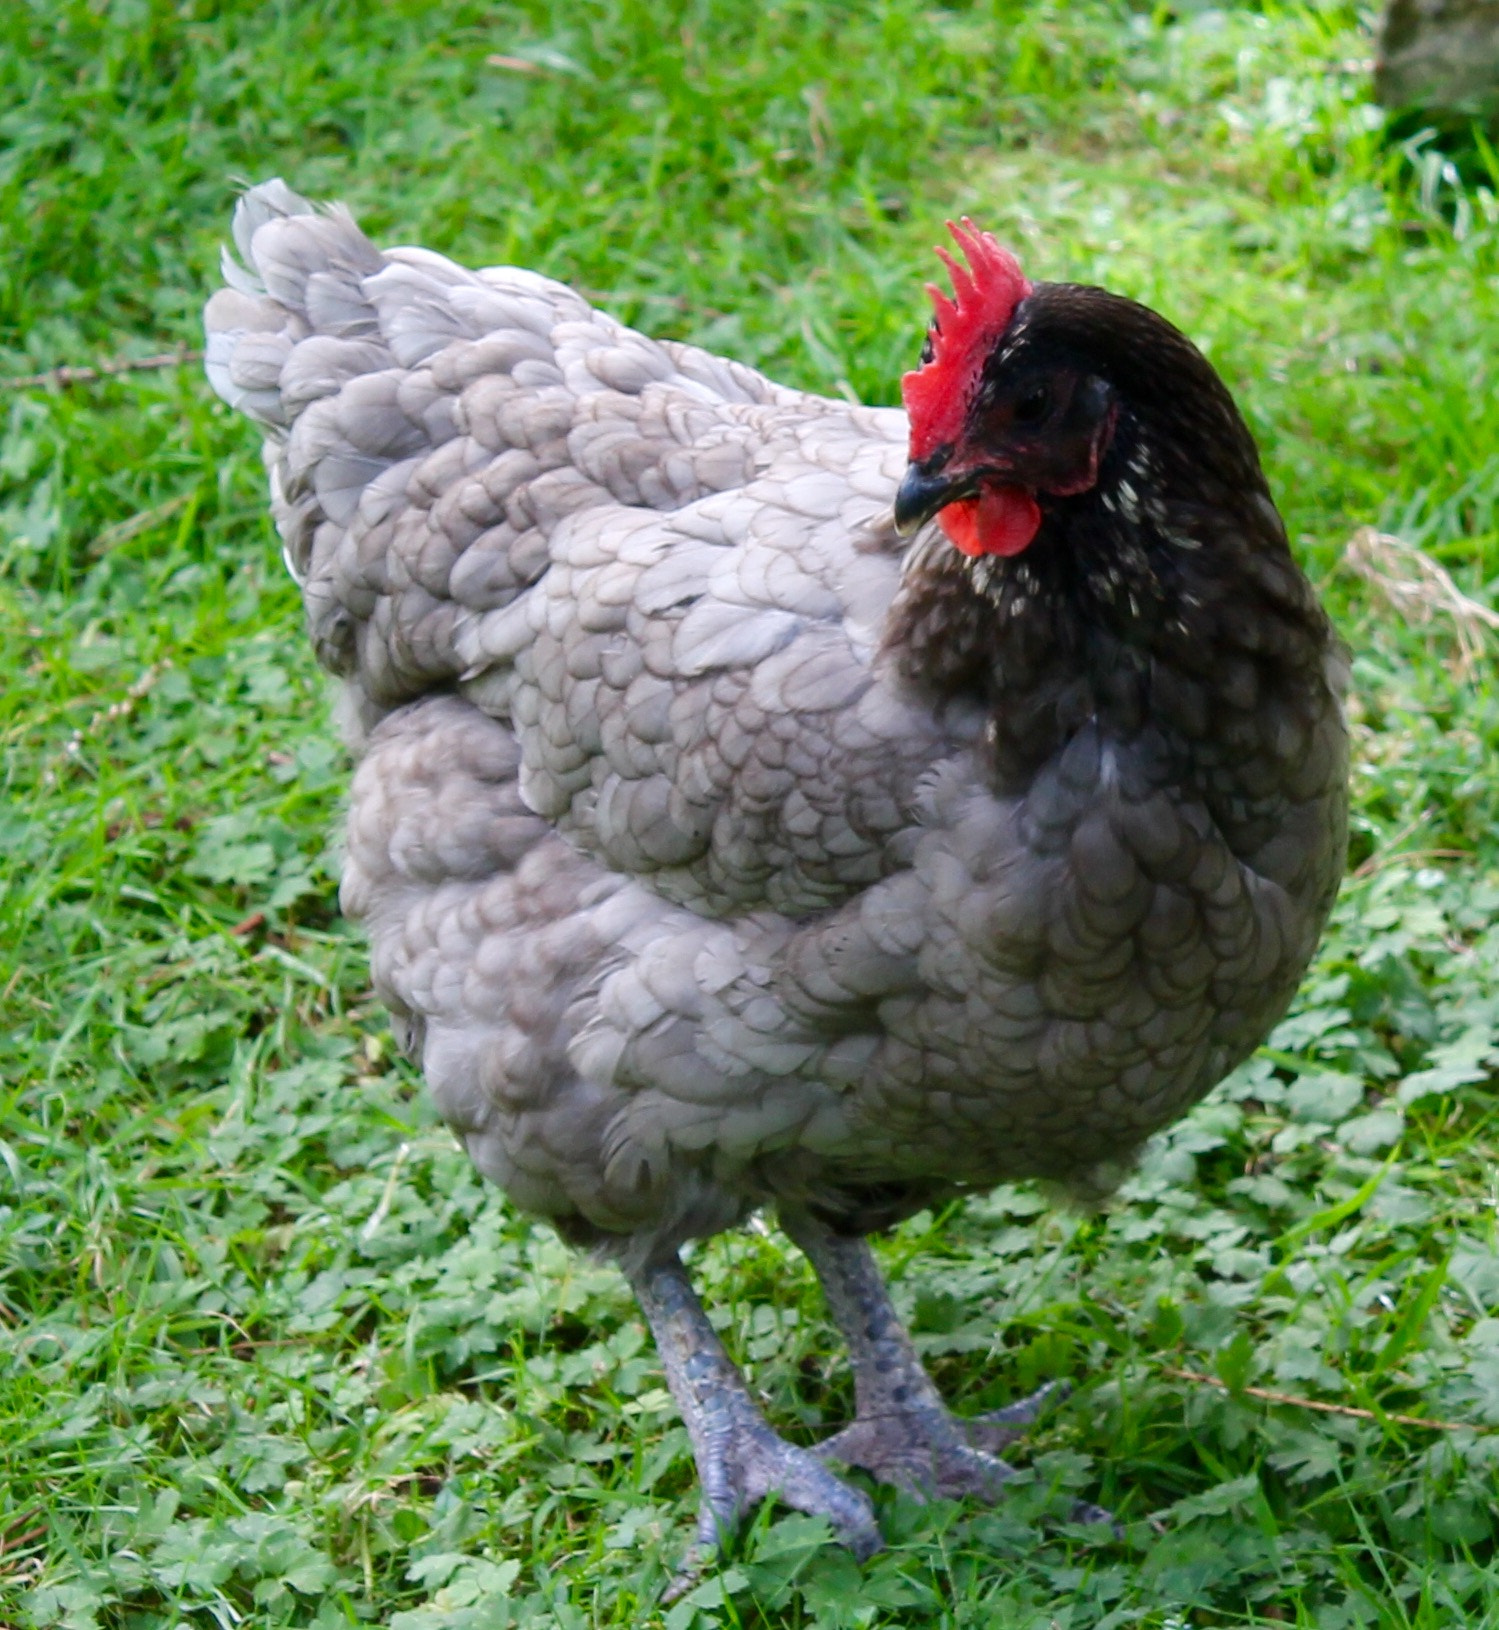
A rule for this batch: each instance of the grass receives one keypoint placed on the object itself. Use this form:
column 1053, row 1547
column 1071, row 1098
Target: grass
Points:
column 269, row 1355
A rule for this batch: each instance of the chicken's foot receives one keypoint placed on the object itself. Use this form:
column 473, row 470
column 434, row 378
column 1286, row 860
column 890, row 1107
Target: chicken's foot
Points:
column 902, row 1432
column 740, row 1459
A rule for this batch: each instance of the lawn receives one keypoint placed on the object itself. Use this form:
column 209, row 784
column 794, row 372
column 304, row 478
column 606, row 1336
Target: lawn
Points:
column 269, row 1353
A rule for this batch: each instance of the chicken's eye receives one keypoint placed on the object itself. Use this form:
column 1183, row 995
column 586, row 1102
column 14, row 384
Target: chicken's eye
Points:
column 1032, row 407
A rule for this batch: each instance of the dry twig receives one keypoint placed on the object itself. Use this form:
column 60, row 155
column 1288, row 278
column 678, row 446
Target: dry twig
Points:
column 1420, row 589
column 61, row 378
column 1271, row 1397
column 1377, row 862
column 16, row 1541
column 72, row 749
column 12, row 1539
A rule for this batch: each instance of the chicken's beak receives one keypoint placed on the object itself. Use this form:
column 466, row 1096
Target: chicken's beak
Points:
column 922, row 492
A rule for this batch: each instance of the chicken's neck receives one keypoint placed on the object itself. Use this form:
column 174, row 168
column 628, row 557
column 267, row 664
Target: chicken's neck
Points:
column 1164, row 598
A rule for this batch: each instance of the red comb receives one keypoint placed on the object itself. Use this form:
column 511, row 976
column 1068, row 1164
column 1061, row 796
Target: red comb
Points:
column 985, row 294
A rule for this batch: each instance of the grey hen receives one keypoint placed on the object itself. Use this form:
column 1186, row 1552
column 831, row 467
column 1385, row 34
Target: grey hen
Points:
column 719, row 850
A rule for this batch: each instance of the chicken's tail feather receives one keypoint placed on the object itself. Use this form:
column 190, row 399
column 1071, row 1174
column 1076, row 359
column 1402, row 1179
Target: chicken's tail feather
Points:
column 428, row 428
column 300, row 272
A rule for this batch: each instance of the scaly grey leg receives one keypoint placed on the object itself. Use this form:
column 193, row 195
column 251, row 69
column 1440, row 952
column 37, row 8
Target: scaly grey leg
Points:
column 739, row 1458
column 903, row 1433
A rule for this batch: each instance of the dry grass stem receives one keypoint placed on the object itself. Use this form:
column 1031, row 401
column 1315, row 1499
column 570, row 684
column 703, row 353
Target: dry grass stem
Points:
column 1420, row 589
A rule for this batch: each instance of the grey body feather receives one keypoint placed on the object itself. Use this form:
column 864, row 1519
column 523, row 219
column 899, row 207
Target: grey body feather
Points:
column 685, row 896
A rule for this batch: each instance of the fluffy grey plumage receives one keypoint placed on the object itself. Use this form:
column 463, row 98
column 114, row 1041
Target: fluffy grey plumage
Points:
column 717, row 850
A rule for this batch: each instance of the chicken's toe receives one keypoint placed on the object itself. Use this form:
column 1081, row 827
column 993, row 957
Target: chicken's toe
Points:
column 740, row 1459
column 749, row 1462
column 996, row 1429
column 903, row 1432
column 924, row 1452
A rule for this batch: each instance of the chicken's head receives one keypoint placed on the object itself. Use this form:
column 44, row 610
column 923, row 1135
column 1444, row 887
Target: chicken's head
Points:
column 994, row 423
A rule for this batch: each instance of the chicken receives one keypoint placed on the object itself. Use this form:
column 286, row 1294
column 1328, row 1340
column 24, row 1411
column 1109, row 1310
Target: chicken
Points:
column 768, row 801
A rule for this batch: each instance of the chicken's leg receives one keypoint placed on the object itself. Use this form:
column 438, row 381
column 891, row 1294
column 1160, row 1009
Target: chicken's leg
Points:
column 902, row 1432
column 739, row 1458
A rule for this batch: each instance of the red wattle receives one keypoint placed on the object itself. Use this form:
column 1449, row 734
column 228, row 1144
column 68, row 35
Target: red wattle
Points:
column 1000, row 521
column 961, row 524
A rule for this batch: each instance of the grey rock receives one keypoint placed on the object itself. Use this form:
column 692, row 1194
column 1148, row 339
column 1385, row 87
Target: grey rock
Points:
column 1440, row 57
